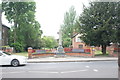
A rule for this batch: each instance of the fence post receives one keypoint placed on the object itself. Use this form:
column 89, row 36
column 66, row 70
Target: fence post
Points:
column 30, row 49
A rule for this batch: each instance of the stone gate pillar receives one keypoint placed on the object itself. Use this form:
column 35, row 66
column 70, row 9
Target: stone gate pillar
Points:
column 30, row 49
column 93, row 51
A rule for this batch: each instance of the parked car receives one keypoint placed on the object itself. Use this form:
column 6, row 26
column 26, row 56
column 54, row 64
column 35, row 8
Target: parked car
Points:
column 9, row 59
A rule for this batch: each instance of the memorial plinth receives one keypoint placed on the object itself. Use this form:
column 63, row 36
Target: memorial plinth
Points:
column 60, row 50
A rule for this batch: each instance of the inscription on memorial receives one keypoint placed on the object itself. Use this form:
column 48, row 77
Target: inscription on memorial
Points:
column 40, row 51
column 78, row 50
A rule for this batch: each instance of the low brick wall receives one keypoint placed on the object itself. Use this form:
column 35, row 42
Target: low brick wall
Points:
column 43, row 54
column 69, row 54
column 79, row 54
column 114, row 52
column 87, row 52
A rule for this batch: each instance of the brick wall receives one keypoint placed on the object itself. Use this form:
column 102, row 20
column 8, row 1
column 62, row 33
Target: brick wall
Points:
column 5, row 35
column 88, row 53
column 76, row 44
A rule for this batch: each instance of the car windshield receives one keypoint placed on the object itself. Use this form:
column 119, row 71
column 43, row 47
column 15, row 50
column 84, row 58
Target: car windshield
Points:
column 6, row 53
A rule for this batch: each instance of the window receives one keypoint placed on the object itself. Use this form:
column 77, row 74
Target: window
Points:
column 6, row 53
column 3, row 30
column 0, row 54
column 0, row 35
column 78, row 38
column 80, row 46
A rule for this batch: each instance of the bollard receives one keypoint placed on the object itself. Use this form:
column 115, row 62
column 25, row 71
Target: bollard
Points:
column 30, row 52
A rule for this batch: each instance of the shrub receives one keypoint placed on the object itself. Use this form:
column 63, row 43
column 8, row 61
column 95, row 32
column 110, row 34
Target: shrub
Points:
column 18, row 47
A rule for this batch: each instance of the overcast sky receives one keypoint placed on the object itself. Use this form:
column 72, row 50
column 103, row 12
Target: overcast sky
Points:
column 50, row 13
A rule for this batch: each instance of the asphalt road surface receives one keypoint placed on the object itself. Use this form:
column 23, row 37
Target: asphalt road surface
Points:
column 94, row 69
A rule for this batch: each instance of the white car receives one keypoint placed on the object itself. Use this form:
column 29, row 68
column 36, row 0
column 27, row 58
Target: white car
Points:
column 14, row 60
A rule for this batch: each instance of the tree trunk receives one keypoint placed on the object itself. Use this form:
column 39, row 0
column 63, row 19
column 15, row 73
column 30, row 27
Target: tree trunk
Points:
column 104, row 49
column 119, row 60
column 15, row 26
column 119, row 65
column 0, row 28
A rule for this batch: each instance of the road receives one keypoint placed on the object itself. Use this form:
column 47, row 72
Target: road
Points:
column 94, row 69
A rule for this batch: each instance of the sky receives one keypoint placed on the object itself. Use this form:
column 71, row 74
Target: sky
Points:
column 50, row 14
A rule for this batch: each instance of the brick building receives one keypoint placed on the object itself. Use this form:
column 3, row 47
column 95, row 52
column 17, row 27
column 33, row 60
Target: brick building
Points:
column 77, row 42
column 5, row 35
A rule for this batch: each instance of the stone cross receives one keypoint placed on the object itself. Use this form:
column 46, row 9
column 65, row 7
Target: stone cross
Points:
column 60, row 49
column 60, row 37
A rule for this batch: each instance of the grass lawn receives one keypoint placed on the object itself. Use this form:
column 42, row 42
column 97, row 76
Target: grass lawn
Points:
column 21, row 54
column 99, row 53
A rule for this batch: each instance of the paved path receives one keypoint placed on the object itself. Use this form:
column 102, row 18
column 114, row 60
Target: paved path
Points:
column 70, row 59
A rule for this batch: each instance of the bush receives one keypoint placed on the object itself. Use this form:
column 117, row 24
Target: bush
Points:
column 18, row 47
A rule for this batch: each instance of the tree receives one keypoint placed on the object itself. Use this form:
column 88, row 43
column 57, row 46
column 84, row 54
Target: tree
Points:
column 0, row 25
column 117, row 39
column 26, row 30
column 49, row 42
column 98, row 24
column 68, row 26
column 14, row 12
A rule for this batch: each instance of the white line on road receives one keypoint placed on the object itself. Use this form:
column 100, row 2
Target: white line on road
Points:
column 13, row 72
column 28, row 72
column 42, row 72
column 47, row 71
column 95, row 70
column 87, row 66
column 74, row 71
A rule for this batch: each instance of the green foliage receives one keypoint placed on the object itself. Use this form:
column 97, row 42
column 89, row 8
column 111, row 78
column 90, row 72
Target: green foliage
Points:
column 49, row 42
column 13, row 10
column 67, row 42
column 68, row 26
column 18, row 47
column 26, row 30
column 98, row 24
column 117, row 34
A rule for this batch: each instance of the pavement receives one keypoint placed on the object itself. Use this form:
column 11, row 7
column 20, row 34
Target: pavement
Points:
column 70, row 59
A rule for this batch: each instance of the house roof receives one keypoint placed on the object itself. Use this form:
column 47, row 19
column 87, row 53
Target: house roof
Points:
column 75, row 35
column 5, row 26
